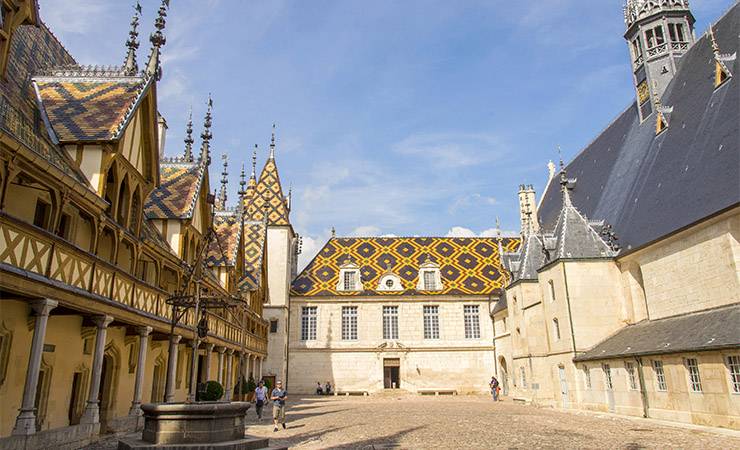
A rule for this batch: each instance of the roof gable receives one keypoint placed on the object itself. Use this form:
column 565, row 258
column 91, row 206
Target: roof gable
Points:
column 466, row 265
column 178, row 192
column 222, row 251
column 267, row 198
column 254, row 251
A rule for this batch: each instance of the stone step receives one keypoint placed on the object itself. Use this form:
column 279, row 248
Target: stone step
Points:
column 248, row 443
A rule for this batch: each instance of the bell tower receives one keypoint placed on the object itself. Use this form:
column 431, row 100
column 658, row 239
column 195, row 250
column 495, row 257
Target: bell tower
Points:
column 659, row 32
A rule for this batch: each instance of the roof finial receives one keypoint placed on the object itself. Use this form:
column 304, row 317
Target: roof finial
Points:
column 715, row 47
column 224, row 181
column 272, row 143
column 333, row 233
column 158, row 40
column 254, row 160
column 189, row 139
column 562, row 168
column 498, row 230
column 131, row 66
column 206, row 134
column 655, row 94
column 242, row 183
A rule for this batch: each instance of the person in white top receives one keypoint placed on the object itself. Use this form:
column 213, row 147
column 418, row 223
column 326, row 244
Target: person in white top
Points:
column 260, row 398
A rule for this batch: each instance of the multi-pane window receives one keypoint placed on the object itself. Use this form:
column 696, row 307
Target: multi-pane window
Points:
column 472, row 322
column 273, row 326
column 675, row 31
column 659, row 376
column 654, row 36
column 350, row 280
column 431, row 322
column 587, row 376
column 429, row 283
column 631, row 375
column 693, row 368
column 556, row 328
column 390, row 322
column 608, row 376
column 308, row 323
column 733, row 364
column 636, row 48
column 349, row 323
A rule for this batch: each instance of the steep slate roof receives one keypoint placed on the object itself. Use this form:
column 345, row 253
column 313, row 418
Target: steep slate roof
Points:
column 179, row 186
column 466, row 265
column 90, row 104
column 254, row 250
column 228, row 232
column 268, row 192
column 702, row 330
column 648, row 186
column 523, row 265
column 34, row 50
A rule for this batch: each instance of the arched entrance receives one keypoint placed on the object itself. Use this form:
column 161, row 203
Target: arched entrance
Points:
column 106, row 394
column 503, row 376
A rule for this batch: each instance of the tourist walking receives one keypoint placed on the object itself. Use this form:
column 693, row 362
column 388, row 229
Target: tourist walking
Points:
column 494, row 388
column 278, row 397
column 260, row 397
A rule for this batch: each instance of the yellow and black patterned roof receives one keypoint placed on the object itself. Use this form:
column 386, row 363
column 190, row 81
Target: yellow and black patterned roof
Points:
column 87, row 110
column 228, row 231
column 268, row 197
column 178, row 191
column 254, row 248
column 466, row 265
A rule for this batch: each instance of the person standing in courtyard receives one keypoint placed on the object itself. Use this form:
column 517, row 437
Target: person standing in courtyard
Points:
column 278, row 397
column 494, row 388
column 260, row 398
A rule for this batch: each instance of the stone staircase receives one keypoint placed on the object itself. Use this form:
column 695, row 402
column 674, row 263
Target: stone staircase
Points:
column 248, row 443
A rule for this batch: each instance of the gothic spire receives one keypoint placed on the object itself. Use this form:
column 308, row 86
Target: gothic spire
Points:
column 242, row 183
column 131, row 66
column 272, row 143
column 224, row 182
column 206, row 134
column 158, row 40
column 254, row 163
column 189, row 139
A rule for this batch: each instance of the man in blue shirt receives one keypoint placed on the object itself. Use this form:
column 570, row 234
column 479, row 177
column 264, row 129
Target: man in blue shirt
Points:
column 278, row 397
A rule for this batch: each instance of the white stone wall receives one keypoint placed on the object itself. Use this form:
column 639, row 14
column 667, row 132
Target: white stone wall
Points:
column 450, row 362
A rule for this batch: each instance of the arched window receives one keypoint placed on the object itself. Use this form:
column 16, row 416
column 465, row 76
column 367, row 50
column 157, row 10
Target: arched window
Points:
column 124, row 196
column 110, row 190
column 134, row 217
column 556, row 328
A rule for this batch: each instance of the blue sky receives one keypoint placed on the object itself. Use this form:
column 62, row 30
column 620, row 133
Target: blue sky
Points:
column 405, row 117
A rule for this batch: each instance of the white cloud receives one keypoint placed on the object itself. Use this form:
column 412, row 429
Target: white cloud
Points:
column 452, row 150
column 463, row 202
column 467, row 232
column 72, row 16
column 365, row 231
column 460, row 232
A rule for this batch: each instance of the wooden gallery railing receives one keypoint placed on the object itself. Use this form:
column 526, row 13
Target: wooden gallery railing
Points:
column 36, row 250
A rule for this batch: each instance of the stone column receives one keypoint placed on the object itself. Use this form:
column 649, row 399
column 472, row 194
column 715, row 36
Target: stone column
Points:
column 169, row 395
column 229, row 375
column 254, row 364
column 140, row 366
column 92, row 411
column 25, row 424
column 262, row 360
column 205, row 376
column 220, row 377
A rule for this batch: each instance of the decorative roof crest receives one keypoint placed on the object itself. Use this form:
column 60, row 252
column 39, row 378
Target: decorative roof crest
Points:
column 158, row 40
column 206, row 134
column 242, row 183
column 189, row 138
column 224, row 182
column 272, row 143
column 635, row 10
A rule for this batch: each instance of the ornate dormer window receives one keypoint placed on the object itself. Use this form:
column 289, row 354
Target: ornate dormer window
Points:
column 390, row 282
column 429, row 277
column 349, row 277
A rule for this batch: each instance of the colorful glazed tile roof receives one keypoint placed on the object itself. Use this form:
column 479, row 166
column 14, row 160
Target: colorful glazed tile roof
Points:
column 268, row 198
column 466, row 265
column 178, row 191
column 254, row 246
column 33, row 50
column 228, row 231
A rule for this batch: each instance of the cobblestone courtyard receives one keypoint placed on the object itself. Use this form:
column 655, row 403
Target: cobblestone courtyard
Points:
column 466, row 422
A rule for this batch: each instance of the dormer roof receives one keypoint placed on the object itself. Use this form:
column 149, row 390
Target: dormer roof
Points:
column 222, row 251
column 177, row 195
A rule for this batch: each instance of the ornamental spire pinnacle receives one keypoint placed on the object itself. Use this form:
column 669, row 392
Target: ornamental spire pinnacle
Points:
column 272, row 143
column 206, row 134
column 131, row 66
column 224, row 182
column 242, row 183
column 158, row 40
column 254, row 162
column 189, row 138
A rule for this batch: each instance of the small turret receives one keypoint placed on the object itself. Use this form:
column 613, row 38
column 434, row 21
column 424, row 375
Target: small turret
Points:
column 527, row 202
column 659, row 34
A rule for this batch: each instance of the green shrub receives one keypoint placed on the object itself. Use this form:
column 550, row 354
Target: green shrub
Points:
column 268, row 385
column 214, row 391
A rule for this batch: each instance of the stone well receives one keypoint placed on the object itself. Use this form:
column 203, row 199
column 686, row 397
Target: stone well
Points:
column 195, row 423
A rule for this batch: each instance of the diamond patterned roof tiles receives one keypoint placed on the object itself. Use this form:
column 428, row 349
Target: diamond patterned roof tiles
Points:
column 254, row 246
column 268, row 198
column 466, row 265
column 87, row 110
column 228, row 231
column 178, row 191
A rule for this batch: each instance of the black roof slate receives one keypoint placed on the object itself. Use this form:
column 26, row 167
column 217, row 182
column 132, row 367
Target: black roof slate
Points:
column 710, row 329
column 649, row 186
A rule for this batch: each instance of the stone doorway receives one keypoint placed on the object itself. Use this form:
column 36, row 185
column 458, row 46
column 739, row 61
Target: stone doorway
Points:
column 391, row 371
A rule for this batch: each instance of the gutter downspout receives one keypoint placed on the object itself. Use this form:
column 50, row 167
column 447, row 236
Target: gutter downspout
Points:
column 570, row 313
column 643, row 391
column 493, row 338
